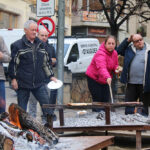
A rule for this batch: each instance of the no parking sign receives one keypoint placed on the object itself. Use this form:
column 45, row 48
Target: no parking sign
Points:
column 48, row 24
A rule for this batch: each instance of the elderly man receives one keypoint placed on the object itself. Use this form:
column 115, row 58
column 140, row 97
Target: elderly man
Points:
column 28, row 67
column 43, row 36
column 136, row 71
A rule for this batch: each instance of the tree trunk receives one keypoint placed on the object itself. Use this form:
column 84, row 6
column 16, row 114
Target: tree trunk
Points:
column 28, row 122
column 114, row 32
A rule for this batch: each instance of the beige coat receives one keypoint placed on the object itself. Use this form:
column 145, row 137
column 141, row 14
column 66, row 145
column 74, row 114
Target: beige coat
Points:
column 5, row 58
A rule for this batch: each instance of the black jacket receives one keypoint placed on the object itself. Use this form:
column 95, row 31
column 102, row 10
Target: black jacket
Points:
column 30, row 63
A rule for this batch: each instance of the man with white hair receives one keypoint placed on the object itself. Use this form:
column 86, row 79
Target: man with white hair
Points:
column 28, row 67
column 136, row 71
column 43, row 36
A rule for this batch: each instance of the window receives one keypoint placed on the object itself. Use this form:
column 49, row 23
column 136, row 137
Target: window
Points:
column 8, row 20
column 74, row 54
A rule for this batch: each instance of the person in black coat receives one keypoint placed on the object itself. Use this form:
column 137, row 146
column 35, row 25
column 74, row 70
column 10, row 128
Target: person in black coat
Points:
column 29, row 66
column 43, row 36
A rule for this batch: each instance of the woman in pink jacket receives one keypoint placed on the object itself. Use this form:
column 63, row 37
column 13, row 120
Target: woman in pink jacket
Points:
column 100, row 71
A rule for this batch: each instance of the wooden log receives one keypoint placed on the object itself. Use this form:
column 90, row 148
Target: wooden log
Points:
column 92, row 105
column 3, row 116
column 28, row 122
column 6, row 143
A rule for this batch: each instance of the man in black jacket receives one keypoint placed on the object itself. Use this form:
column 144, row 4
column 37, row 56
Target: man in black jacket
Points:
column 43, row 36
column 28, row 67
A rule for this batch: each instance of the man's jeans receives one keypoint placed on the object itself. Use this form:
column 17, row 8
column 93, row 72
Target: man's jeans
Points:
column 33, row 103
column 53, row 96
column 40, row 94
column 2, row 96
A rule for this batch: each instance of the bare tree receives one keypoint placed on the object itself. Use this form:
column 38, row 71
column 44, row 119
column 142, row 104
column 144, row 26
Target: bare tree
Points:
column 119, row 11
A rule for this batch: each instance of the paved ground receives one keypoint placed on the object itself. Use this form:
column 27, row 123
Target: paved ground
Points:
column 11, row 98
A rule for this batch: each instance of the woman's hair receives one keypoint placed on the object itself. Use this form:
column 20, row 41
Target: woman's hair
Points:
column 108, row 37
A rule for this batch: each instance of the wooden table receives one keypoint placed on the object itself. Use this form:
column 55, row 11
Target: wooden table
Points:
column 107, row 127
column 85, row 142
column 137, row 128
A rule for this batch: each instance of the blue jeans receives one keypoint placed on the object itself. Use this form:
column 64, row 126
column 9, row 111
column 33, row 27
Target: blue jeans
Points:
column 2, row 96
column 32, row 106
column 53, row 96
column 40, row 94
column 33, row 103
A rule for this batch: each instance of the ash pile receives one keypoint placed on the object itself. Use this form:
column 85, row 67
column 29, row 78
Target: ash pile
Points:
column 18, row 130
column 89, row 118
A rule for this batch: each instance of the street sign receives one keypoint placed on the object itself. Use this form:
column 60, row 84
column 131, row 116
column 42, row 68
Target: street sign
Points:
column 46, row 23
column 45, row 8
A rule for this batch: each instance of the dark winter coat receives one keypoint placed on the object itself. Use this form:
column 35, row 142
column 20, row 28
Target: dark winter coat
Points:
column 30, row 63
column 128, row 51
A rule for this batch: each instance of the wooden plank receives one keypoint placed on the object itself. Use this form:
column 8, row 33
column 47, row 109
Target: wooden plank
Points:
column 92, row 105
column 103, row 128
column 87, row 142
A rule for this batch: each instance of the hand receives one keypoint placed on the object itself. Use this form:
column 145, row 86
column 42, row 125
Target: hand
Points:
column 118, row 69
column 53, row 61
column 109, row 81
column 130, row 39
column 53, row 79
column 1, row 55
column 14, row 84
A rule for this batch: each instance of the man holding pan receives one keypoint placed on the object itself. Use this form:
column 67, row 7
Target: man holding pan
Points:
column 136, row 71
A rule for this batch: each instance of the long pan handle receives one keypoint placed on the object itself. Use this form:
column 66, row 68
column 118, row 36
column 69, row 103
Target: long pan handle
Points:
column 111, row 95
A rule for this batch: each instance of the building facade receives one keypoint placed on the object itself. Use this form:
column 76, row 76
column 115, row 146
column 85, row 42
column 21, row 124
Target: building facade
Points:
column 14, row 13
column 87, row 22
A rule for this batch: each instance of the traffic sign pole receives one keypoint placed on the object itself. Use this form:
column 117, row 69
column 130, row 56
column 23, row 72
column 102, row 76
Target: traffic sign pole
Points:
column 60, row 49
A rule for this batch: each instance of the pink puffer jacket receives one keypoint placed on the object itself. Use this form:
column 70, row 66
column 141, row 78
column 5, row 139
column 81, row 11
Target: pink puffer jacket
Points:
column 102, row 65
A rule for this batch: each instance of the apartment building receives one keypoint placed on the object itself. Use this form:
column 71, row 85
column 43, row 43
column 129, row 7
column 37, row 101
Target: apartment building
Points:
column 14, row 13
column 87, row 22
column 134, row 26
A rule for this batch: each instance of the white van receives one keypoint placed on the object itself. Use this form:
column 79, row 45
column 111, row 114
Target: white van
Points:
column 78, row 52
column 10, row 36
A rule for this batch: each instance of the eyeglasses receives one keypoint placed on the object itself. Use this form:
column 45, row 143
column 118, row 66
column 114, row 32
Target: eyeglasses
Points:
column 139, row 40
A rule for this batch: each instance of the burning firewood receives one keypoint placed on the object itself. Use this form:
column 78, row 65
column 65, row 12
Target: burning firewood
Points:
column 24, row 121
column 6, row 143
column 3, row 116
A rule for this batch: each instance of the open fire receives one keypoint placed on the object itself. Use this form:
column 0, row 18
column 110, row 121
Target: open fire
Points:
column 23, row 131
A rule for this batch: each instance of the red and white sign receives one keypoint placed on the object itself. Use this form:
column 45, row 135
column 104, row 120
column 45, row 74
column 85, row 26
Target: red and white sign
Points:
column 44, row 0
column 45, row 8
column 46, row 23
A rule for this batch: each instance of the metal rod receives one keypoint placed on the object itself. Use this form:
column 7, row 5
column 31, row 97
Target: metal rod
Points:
column 111, row 95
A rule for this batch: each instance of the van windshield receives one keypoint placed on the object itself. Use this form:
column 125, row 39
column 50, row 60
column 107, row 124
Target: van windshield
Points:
column 66, row 46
